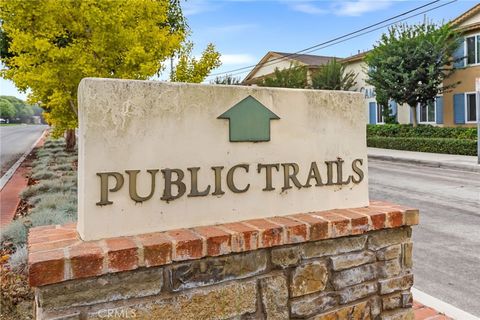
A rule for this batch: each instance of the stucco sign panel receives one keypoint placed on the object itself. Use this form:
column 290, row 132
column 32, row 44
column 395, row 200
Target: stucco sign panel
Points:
column 158, row 156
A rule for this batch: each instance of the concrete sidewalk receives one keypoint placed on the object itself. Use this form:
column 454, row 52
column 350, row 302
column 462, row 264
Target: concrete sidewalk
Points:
column 450, row 161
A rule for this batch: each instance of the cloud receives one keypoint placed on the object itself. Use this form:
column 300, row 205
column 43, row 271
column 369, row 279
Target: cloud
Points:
column 237, row 59
column 193, row 7
column 340, row 8
column 308, row 7
column 359, row 7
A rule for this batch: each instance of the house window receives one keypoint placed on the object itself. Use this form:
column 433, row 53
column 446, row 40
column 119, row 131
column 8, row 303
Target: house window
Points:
column 472, row 45
column 380, row 119
column 426, row 113
column 471, row 107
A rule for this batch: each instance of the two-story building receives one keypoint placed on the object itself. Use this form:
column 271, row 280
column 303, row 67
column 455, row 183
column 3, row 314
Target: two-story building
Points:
column 454, row 108
column 460, row 104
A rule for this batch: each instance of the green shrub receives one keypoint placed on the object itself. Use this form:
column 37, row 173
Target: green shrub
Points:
column 52, row 200
column 41, row 174
column 47, row 217
column 16, row 232
column 42, row 187
column 18, row 261
column 425, row 131
column 435, row 145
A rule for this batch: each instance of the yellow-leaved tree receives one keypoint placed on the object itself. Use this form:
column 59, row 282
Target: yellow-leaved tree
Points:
column 48, row 46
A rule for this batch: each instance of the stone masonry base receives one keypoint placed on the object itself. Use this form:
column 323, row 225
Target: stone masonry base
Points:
column 278, row 268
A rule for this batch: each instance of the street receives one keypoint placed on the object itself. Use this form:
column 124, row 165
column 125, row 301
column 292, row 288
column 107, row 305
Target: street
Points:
column 14, row 141
column 447, row 240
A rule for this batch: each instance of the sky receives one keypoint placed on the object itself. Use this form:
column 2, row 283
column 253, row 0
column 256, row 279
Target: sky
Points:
column 243, row 31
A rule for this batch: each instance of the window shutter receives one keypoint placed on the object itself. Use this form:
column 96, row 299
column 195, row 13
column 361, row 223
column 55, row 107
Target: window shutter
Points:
column 439, row 109
column 411, row 114
column 459, row 55
column 393, row 106
column 372, row 113
column 459, row 108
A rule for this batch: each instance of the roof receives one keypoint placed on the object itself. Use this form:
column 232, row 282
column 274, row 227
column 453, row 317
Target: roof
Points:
column 309, row 60
column 466, row 15
column 355, row 57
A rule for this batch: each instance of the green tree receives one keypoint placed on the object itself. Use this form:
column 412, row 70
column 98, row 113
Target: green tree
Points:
column 410, row 62
column 293, row 77
column 332, row 76
column 7, row 110
column 191, row 69
column 23, row 111
column 49, row 46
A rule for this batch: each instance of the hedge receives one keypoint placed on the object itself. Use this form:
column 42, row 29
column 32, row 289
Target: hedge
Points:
column 425, row 131
column 436, row 145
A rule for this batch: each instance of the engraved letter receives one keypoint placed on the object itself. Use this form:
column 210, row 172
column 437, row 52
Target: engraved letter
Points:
column 287, row 176
column 231, row 183
column 167, row 193
column 314, row 173
column 340, row 172
column 132, row 185
column 330, row 172
column 268, row 174
column 218, row 181
column 194, row 185
column 104, row 186
column 357, row 170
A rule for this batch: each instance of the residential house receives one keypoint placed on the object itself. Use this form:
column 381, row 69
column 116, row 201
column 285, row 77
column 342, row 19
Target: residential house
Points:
column 282, row 60
column 454, row 108
column 373, row 111
column 459, row 107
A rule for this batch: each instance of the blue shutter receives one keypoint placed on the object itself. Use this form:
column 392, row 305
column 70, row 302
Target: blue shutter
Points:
column 393, row 106
column 459, row 55
column 439, row 110
column 459, row 108
column 411, row 114
column 372, row 111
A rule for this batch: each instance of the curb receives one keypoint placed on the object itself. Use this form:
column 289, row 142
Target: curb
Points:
column 441, row 306
column 435, row 164
column 10, row 172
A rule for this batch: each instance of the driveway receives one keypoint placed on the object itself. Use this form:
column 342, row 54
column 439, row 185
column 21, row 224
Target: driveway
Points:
column 447, row 241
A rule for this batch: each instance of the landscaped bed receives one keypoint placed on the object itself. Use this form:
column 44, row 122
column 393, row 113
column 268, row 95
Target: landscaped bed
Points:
column 50, row 198
column 424, row 138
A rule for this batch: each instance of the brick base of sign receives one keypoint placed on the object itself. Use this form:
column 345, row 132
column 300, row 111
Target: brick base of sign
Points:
column 337, row 264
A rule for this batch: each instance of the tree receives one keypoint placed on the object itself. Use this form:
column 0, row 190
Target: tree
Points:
column 293, row 77
column 49, row 46
column 23, row 111
column 410, row 62
column 189, row 69
column 7, row 110
column 332, row 76
column 227, row 80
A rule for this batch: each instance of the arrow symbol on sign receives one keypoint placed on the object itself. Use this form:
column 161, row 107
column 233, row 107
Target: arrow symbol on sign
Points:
column 249, row 121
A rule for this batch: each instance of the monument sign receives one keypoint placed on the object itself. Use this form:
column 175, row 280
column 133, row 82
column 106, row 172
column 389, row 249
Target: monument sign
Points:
column 159, row 156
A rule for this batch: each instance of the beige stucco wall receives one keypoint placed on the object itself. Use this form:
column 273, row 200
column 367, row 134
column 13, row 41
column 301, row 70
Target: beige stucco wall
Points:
column 140, row 125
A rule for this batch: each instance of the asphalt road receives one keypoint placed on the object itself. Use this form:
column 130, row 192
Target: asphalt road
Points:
column 14, row 141
column 447, row 241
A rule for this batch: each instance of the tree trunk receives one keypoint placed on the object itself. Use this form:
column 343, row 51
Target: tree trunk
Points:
column 71, row 140
column 414, row 116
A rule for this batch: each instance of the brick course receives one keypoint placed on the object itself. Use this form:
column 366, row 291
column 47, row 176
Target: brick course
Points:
column 338, row 264
column 87, row 259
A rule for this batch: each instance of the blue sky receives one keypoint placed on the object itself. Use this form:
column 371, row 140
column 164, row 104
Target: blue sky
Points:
column 244, row 30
